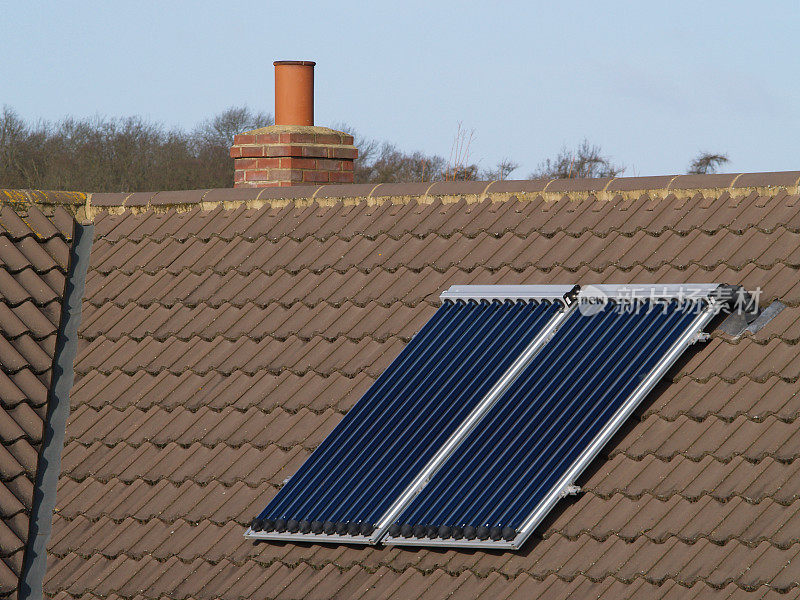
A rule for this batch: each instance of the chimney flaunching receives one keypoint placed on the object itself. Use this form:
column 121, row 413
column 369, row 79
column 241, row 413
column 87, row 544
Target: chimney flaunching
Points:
column 293, row 151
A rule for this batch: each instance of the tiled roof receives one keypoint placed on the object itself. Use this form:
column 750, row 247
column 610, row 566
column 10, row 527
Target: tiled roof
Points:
column 34, row 254
column 226, row 332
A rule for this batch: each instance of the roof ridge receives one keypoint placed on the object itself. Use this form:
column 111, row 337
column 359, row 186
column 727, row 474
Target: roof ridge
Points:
column 85, row 206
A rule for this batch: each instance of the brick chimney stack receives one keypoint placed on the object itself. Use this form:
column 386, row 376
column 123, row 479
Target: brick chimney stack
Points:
column 293, row 151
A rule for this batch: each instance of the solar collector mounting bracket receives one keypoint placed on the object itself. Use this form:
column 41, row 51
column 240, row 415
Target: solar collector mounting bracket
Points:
column 571, row 490
column 571, row 296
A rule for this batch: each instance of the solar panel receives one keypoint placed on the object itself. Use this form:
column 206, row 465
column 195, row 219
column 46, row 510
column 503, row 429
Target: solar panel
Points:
column 360, row 473
column 529, row 448
column 488, row 415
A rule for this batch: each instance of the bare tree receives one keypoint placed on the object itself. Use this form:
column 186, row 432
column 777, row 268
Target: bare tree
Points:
column 383, row 162
column 18, row 160
column 213, row 138
column 102, row 154
column 220, row 129
column 130, row 154
column 585, row 161
column 368, row 149
column 459, row 167
column 12, row 130
column 501, row 171
column 391, row 165
column 707, row 162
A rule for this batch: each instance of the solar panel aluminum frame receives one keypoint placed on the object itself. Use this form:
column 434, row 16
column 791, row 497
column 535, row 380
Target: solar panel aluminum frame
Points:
column 507, row 292
column 565, row 484
column 559, row 292
column 643, row 291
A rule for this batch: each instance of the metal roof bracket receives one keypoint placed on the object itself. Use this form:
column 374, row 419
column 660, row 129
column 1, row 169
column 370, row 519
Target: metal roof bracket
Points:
column 571, row 490
column 571, row 296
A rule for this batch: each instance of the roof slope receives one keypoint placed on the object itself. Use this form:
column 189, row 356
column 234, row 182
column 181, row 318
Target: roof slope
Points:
column 34, row 255
column 225, row 333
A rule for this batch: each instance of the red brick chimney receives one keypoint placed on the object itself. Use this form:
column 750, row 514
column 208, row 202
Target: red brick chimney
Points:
column 293, row 151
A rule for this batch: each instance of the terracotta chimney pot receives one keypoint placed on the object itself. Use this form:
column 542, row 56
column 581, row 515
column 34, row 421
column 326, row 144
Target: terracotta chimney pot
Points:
column 294, row 92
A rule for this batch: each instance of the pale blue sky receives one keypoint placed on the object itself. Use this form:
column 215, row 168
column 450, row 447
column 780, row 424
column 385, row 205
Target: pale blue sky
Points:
column 652, row 83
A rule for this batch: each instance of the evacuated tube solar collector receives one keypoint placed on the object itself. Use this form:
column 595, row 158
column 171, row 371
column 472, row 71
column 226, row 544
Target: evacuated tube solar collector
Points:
column 488, row 415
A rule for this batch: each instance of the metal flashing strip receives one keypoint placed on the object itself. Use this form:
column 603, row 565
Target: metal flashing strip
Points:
column 602, row 438
column 467, row 426
column 736, row 324
column 766, row 316
column 48, row 468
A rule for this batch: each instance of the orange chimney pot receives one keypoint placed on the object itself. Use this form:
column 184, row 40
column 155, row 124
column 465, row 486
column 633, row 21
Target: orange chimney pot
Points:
column 294, row 92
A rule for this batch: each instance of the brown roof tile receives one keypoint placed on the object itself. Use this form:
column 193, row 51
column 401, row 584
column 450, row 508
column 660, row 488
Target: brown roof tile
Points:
column 221, row 345
column 33, row 263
